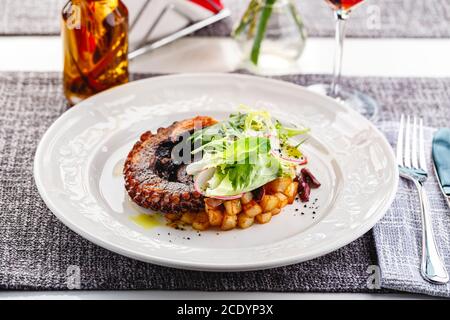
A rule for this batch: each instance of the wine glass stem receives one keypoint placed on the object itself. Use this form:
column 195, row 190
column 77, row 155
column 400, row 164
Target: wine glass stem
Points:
column 341, row 19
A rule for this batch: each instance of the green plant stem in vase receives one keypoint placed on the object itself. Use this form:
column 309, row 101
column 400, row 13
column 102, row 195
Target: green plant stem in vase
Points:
column 248, row 18
column 263, row 20
column 274, row 20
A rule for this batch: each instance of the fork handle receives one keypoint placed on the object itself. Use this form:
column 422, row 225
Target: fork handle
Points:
column 432, row 268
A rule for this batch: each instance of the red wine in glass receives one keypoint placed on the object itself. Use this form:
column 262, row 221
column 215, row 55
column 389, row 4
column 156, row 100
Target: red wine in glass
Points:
column 344, row 5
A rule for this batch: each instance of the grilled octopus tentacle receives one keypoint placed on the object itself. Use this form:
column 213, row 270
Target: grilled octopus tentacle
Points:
column 153, row 180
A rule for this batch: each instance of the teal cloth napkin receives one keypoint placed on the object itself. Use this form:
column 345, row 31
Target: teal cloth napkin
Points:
column 441, row 156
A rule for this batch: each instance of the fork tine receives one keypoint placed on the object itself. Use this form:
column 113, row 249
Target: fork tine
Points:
column 407, row 154
column 422, row 161
column 414, row 146
column 401, row 129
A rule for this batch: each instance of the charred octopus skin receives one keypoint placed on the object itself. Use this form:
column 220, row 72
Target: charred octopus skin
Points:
column 153, row 180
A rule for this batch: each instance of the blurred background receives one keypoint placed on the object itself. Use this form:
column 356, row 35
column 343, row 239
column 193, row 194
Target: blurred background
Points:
column 386, row 37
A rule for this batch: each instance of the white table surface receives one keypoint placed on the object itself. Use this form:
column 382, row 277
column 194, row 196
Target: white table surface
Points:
column 363, row 57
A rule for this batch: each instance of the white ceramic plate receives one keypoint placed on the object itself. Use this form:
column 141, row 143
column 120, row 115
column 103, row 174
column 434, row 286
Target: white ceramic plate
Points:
column 79, row 161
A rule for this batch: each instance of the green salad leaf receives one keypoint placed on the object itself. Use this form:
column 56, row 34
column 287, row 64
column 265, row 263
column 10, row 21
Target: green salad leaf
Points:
column 240, row 149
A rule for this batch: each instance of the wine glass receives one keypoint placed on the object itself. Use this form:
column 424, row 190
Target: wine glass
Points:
column 359, row 101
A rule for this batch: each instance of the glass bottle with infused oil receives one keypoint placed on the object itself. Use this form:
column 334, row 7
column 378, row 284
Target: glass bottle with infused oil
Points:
column 95, row 39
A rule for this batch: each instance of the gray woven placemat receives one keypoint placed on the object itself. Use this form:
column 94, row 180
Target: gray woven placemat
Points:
column 30, row 17
column 428, row 98
column 374, row 18
column 37, row 249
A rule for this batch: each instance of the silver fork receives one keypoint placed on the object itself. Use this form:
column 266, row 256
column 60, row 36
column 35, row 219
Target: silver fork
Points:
column 412, row 166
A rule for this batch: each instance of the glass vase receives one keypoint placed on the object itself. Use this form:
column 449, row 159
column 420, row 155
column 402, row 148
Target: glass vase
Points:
column 271, row 35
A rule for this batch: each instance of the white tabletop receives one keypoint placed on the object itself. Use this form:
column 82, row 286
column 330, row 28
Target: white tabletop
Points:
column 363, row 57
